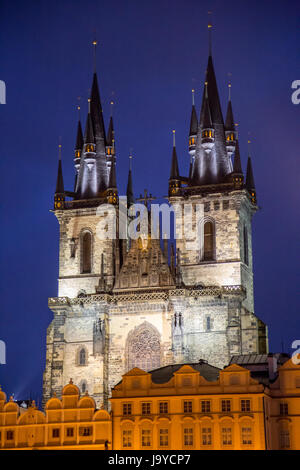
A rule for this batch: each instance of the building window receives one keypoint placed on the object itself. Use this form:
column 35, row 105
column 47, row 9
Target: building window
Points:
column 127, row 438
column 205, row 406
column 226, row 406
column 9, row 435
column 187, row 406
column 143, row 348
column 82, row 357
column 127, row 409
column 226, row 436
column 206, row 437
column 188, row 437
column 86, row 431
column 146, row 408
column 55, row 432
column 163, row 437
column 246, row 436
column 284, row 438
column 146, row 438
column 225, row 205
column 208, row 248
column 246, row 254
column 208, row 324
column 245, row 405
column 87, row 252
column 70, row 432
column 163, row 407
column 284, row 409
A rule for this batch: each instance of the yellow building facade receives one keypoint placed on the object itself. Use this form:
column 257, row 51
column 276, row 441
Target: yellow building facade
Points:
column 186, row 412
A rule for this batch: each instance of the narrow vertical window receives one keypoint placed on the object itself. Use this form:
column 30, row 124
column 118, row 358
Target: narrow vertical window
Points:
column 87, row 252
column 208, row 324
column 208, row 241
column 82, row 357
column 246, row 254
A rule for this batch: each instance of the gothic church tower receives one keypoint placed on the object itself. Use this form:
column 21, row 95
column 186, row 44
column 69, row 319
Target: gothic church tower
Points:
column 127, row 304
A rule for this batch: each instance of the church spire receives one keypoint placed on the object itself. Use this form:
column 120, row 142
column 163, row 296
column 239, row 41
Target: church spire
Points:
column 207, row 133
column 129, row 190
column 112, row 190
column 193, row 127
column 237, row 173
column 250, row 185
column 174, row 180
column 229, row 126
column 59, row 197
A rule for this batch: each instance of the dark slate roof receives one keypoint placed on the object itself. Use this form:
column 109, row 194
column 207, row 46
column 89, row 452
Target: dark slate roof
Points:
column 129, row 191
column 79, row 137
column 174, row 174
column 258, row 365
column 194, row 122
column 237, row 166
column 112, row 176
column 250, row 185
column 96, row 110
column 164, row 374
column 60, row 180
column 213, row 94
column 252, row 359
column 207, row 122
column 89, row 134
column 229, row 122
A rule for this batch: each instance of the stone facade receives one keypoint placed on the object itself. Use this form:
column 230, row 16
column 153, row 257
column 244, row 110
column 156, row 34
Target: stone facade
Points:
column 195, row 310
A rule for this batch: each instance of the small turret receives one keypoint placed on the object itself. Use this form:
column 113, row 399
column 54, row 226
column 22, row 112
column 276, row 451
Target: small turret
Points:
column 237, row 173
column 250, row 185
column 129, row 190
column 78, row 145
column 112, row 190
column 193, row 127
column 207, row 132
column 230, row 134
column 89, row 147
column 174, row 180
column 59, row 197
column 110, row 141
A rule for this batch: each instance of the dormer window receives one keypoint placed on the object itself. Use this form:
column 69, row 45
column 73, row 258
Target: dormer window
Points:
column 77, row 153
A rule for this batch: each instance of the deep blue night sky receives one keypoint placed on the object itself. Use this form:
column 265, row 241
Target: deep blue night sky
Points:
column 151, row 54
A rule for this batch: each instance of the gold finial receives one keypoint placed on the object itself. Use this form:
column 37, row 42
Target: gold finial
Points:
column 130, row 160
column 193, row 97
column 174, row 141
column 111, row 107
column 89, row 102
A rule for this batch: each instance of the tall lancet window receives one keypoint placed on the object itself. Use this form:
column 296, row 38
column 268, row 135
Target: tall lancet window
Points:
column 208, row 243
column 86, row 246
column 246, row 251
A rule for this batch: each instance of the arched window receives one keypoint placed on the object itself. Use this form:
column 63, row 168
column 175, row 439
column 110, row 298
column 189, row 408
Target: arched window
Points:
column 82, row 357
column 208, row 323
column 86, row 252
column 246, row 253
column 143, row 348
column 208, row 244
